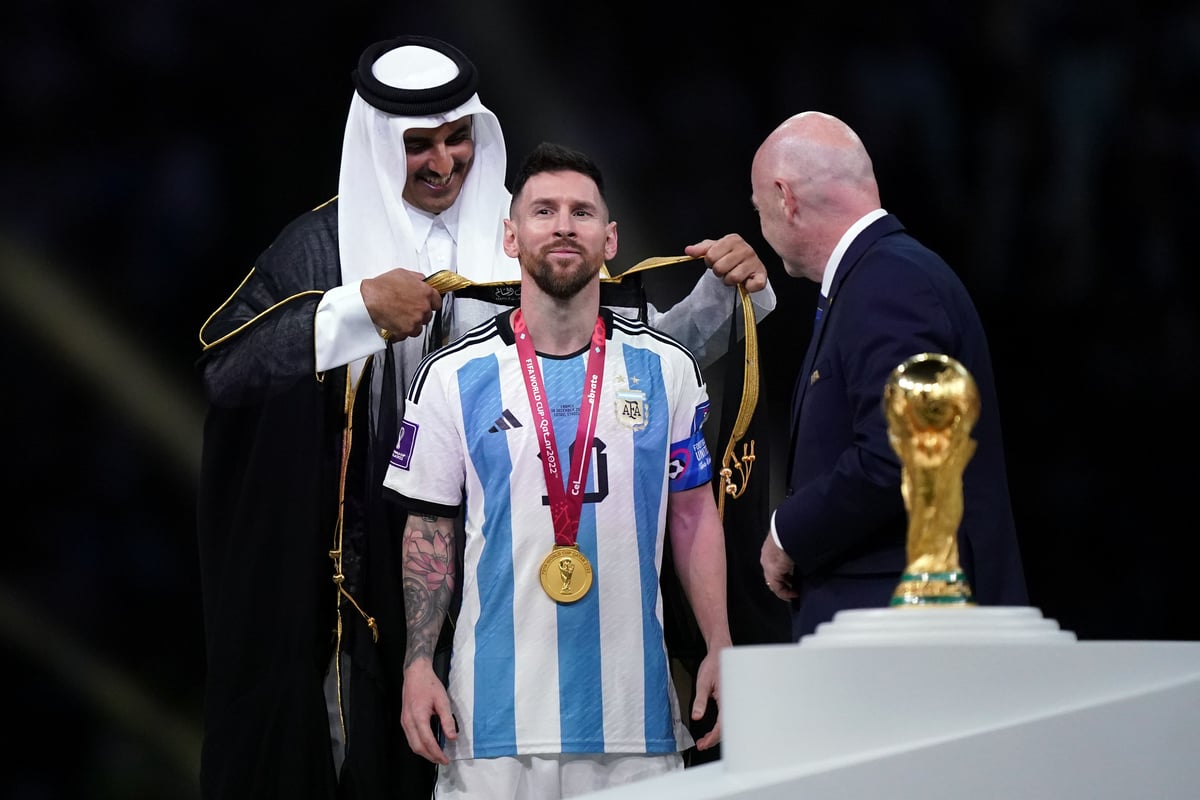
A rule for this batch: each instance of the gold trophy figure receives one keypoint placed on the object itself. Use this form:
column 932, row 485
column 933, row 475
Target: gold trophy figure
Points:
column 931, row 403
column 566, row 568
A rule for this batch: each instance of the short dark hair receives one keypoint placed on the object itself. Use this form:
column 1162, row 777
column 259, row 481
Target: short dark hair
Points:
column 551, row 157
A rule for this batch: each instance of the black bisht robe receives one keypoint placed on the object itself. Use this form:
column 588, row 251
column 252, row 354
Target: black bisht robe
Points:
column 756, row 616
column 267, row 513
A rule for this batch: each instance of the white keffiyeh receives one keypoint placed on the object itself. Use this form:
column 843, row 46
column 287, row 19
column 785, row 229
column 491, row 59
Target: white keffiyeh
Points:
column 375, row 232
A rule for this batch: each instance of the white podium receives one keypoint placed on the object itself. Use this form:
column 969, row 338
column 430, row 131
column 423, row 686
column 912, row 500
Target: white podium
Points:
column 973, row 702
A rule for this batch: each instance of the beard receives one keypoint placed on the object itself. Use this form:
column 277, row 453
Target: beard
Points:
column 562, row 284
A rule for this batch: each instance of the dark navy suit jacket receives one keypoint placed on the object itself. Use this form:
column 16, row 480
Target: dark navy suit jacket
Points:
column 843, row 520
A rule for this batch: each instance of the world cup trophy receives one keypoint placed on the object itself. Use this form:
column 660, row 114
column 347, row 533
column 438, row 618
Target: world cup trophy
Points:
column 931, row 404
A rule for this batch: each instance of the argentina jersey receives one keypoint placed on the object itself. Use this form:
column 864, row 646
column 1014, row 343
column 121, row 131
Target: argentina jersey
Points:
column 529, row 674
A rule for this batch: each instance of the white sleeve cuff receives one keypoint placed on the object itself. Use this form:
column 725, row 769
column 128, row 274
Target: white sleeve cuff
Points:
column 775, row 533
column 343, row 329
column 763, row 301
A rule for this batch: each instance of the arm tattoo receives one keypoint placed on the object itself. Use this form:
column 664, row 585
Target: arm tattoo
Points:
column 428, row 581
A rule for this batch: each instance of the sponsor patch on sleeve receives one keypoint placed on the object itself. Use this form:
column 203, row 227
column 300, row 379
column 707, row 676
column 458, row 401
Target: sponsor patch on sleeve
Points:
column 402, row 455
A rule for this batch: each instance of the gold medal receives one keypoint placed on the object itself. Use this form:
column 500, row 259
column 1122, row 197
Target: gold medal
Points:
column 566, row 574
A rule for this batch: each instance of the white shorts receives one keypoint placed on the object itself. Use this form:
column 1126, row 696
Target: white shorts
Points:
column 547, row 777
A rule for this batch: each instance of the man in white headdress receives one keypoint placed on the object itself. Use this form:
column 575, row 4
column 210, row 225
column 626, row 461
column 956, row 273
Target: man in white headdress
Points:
column 305, row 368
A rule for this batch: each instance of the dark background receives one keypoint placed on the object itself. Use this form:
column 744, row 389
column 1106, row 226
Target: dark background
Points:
column 151, row 150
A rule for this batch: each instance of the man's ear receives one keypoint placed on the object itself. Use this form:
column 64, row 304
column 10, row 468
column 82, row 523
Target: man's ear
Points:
column 786, row 199
column 510, row 239
column 610, row 241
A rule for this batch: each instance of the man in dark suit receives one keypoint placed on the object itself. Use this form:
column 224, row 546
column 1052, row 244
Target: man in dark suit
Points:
column 837, row 540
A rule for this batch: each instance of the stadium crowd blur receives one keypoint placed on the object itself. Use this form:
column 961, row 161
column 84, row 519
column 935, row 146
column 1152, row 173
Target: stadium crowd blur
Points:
column 1050, row 152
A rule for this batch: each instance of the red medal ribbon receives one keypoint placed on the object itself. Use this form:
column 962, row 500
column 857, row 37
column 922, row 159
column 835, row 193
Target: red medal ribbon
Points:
column 566, row 506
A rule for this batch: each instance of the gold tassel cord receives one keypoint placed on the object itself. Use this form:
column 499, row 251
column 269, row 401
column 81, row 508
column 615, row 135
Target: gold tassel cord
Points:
column 745, row 413
column 335, row 554
column 446, row 281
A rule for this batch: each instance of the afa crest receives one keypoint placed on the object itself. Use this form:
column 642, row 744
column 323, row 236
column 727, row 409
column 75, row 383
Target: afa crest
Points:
column 631, row 408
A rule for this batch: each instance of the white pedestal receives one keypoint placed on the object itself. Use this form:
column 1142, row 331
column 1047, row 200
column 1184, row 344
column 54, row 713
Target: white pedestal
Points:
column 976, row 702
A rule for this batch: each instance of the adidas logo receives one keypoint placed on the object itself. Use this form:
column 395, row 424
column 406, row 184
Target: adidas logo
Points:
column 505, row 422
